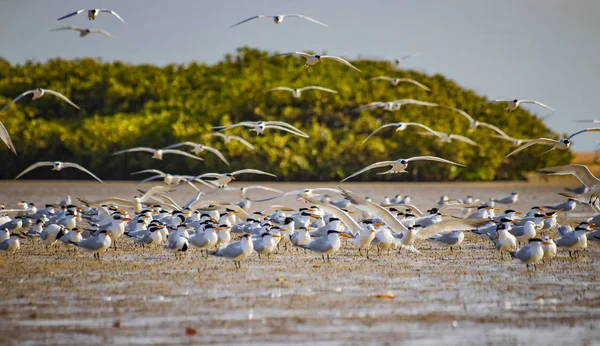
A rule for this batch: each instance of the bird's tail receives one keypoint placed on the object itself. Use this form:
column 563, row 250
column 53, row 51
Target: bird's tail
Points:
column 513, row 254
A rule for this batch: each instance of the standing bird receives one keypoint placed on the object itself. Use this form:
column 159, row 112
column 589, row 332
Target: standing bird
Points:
column 504, row 240
column 266, row 243
column 84, row 32
column 574, row 241
column 37, row 93
column 312, row 59
column 530, row 254
column 450, row 240
column 56, row 166
column 400, row 165
column 279, row 18
column 326, row 245
column 92, row 14
column 96, row 244
column 237, row 251
column 12, row 244
column 512, row 199
column 549, row 247
column 514, row 104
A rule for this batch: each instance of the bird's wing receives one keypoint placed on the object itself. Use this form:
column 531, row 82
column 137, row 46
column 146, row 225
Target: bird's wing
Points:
column 379, row 128
column 415, row 102
column 112, row 200
column 497, row 130
column 448, row 226
column 217, row 152
column 154, row 177
column 375, row 165
column 463, row 139
column 253, row 171
column 227, row 127
column 71, row 14
column 302, row 54
column 412, row 81
column 243, row 141
column 183, row 153
column 434, row 158
column 193, row 200
column 338, row 59
column 305, row 17
column 68, row 27
column 155, row 171
column 280, row 88
column 580, row 171
column 461, row 112
column 61, row 96
column 176, row 145
column 154, row 190
column 101, row 32
column 293, row 192
column 435, row 133
column 318, row 88
column 591, row 129
column 249, row 19
column 500, row 100
column 34, row 166
column 544, row 141
column 218, row 134
column 342, row 215
column 375, row 209
column 287, row 129
column 266, row 188
column 74, row 165
column 381, row 77
column 113, row 13
column 283, row 124
column 136, row 149
column 5, row 136
column 16, row 99
column 536, row 103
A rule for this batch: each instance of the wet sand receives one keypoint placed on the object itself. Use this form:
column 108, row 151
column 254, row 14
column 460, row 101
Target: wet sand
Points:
column 142, row 296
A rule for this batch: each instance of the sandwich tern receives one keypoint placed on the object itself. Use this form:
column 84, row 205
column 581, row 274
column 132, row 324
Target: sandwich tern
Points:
column 56, row 166
column 92, row 14
column 400, row 165
column 312, row 59
column 279, row 18
column 37, row 93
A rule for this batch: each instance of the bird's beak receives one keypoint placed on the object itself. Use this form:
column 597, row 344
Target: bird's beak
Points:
column 351, row 212
column 590, row 230
column 213, row 219
column 496, row 209
column 161, row 226
column 220, row 228
column 126, row 219
column 378, row 224
column 276, row 236
column 519, row 213
column 515, row 221
column 232, row 177
column 372, row 231
column 109, row 234
column 314, row 217
column 444, row 215
column 547, row 243
column 263, row 214
column 345, row 235
column 592, row 224
column 547, row 217
column 321, row 59
column 189, row 228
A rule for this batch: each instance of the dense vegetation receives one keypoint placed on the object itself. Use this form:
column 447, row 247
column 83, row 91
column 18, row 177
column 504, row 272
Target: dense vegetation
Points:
column 142, row 105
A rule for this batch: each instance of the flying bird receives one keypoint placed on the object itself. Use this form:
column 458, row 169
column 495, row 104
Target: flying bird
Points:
column 260, row 126
column 561, row 144
column 402, row 127
column 394, row 105
column 221, row 180
column 514, row 104
column 314, row 59
column 158, row 153
column 198, row 148
column 399, row 166
column 228, row 139
column 84, row 32
column 56, row 166
column 37, row 93
column 581, row 172
column 279, row 18
column 297, row 92
column 92, row 14
column 395, row 81
column 448, row 137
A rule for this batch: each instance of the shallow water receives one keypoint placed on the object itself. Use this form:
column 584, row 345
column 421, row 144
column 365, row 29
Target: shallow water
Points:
column 142, row 296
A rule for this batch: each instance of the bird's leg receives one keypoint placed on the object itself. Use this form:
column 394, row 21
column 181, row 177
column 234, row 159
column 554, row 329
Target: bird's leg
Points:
column 535, row 267
column 115, row 245
column 323, row 258
column 451, row 249
column 359, row 252
column 328, row 258
column 378, row 251
column 367, row 250
column 258, row 256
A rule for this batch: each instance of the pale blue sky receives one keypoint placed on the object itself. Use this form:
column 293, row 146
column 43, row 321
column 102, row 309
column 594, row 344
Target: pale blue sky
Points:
column 546, row 50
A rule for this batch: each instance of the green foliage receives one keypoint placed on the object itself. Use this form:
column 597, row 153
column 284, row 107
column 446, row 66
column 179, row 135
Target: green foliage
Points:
column 141, row 105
